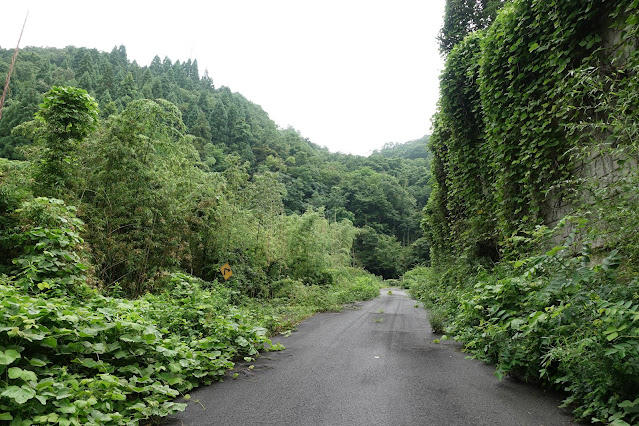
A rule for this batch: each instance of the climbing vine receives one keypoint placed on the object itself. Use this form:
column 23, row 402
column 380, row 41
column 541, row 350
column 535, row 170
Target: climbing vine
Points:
column 463, row 195
column 518, row 100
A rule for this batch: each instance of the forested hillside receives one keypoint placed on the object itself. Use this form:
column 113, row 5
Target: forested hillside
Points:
column 532, row 220
column 381, row 194
column 124, row 192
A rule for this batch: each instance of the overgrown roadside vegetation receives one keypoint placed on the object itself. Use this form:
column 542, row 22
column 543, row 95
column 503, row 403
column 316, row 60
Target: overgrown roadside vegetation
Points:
column 538, row 120
column 112, row 234
column 560, row 318
column 90, row 359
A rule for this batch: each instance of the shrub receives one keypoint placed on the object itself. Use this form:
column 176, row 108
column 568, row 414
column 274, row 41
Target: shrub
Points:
column 437, row 318
column 364, row 288
column 48, row 237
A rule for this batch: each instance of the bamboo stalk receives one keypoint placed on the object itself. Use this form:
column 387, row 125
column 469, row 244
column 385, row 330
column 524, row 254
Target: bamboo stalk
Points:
column 13, row 62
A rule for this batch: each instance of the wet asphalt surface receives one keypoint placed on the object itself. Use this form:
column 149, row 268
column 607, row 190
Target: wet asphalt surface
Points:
column 374, row 363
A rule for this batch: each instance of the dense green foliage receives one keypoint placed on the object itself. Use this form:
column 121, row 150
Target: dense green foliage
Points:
column 226, row 131
column 110, row 360
column 538, row 119
column 150, row 205
column 556, row 317
column 463, row 17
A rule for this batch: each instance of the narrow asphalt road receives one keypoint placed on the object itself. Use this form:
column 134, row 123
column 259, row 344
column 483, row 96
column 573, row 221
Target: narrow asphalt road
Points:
column 372, row 364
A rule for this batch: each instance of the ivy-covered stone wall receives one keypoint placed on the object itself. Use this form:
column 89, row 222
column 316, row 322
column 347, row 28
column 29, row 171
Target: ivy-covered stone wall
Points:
column 536, row 113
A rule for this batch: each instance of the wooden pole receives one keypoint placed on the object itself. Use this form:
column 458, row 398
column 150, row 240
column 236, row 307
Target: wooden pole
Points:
column 13, row 62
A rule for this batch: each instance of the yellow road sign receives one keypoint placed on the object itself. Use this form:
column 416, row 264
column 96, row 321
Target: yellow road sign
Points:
column 226, row 271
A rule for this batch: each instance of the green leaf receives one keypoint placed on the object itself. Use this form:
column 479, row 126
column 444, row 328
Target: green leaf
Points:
column 6, row 416
column 149, row 338
column 19, row 394
column 47, row 418
column 100, row 416
column 50, row 342
column 66, row 407
column 129, row 338
column 612, row 261
column 533, row 46
column 7, row 357
column 46, row 383
column 629, row 404
column 612, row 336
column 515, row 45
column 88, row 362
column 37, row 362
column 32, row 336
column 88, row 332
column 19, row 373
column 619, row 422
column 553, row 251
column 516, row 323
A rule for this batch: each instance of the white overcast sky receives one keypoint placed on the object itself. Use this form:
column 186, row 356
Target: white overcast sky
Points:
column 350, row 75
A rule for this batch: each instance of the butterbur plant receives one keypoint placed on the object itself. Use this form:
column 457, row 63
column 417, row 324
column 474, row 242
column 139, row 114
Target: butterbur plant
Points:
column 109, row 360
